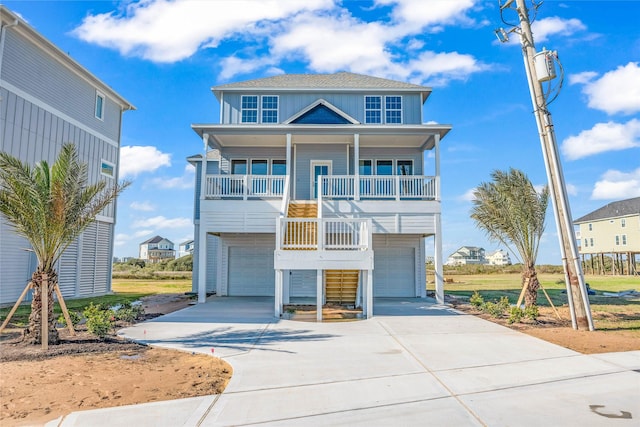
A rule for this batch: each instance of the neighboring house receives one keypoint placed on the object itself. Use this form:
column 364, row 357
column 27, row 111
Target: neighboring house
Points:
column 185, row 248
column 467, row 255
column 499, row 257
column 324, row 181
column 612, row 230
column 157, row 249
column 48, row 99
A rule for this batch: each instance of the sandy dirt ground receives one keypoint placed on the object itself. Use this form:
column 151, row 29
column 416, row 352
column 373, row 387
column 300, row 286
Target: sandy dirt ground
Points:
column 86, row 373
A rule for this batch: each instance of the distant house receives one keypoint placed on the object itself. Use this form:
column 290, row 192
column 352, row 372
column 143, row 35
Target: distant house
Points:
column 499, row 257
column 613, row 231
column 185, row 248
column 467, row 255
column 157, row 249
column 48, row 99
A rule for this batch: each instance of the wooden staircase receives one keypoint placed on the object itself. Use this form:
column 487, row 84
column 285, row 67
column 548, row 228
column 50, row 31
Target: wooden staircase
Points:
column 341, row 286
column 302, row 232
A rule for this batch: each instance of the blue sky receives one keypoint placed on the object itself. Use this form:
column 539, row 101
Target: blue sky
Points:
column 164, row 56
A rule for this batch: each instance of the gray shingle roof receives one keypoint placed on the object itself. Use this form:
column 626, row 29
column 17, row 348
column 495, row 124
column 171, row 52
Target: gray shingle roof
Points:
column 613, row 210
column 341, row 80
column 156, row 239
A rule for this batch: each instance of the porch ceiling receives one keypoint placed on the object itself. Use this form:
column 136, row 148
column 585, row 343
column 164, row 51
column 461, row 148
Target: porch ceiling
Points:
column 276, row 136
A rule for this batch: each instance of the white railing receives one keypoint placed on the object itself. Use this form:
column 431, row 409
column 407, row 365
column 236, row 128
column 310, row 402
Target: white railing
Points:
column 348, row 234
column 284, row 207
column 244, row 186
column 379, row 187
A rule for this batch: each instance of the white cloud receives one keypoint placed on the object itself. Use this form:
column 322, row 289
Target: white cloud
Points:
column 135, row 159
column 603, row 137
column 157, row 222
column 582, row 78
column 142, row 233
column 170, row 31
column 467, row 196
column 617, row 185
column 181, row 182
column 572, row 190
column 121, row 239
column 617, row 91
column 142, row 206
column 546, row 27
column 285, row 30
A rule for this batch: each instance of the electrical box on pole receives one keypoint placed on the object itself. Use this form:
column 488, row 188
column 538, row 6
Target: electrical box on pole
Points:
column 545, row 67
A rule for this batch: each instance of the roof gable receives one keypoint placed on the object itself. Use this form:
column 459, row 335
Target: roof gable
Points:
column 321, row 112
column 613, row 210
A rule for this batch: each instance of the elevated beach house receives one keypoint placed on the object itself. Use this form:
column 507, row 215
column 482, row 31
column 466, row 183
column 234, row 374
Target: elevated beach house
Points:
column 318, row 187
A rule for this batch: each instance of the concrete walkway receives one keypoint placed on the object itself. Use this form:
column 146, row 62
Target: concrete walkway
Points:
column 414, row 363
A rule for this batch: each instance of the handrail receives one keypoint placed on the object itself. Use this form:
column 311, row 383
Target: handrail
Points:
column 284, row 207
column 396, row 187
column 245, row 186
column 323, row 234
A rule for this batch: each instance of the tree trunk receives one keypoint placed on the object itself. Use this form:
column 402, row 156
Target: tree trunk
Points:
column 530, row 277
column 33, row 333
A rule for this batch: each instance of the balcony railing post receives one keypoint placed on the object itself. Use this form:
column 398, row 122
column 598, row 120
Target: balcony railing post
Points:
column 397, row 185
column 245, row 181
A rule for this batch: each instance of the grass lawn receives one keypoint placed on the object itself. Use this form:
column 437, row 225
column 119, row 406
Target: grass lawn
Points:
column 124, row 290
column 609, row 313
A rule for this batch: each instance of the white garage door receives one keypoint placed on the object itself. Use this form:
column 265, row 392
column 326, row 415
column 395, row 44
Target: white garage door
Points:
column 394, row 272
column 251, row 271
column 303, row 283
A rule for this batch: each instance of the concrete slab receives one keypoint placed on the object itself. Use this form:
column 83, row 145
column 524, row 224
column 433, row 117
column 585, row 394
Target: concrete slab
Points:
column 414, row 363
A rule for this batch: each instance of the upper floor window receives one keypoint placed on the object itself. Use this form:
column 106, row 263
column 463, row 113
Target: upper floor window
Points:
column 393, row 109
column 366, row 167
column 617, row 240
column 586, row 242
column 259, row 166
column 278, row 167
column 591, row 241
column 372, row 109
column 404, row 167
column 623, row 222
column 99, row 108
column 107, row 168
column 249, row 109
column 624, row 239
column 270, row 109
column 590, row 227
column 239, row 166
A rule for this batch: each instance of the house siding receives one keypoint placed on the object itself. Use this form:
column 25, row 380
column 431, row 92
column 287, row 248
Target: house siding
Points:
column 23, row 66
column 603, row 234
column 351, row 103
column 305, row 153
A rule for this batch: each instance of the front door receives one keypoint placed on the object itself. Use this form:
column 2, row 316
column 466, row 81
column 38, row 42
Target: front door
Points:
column 318, row 168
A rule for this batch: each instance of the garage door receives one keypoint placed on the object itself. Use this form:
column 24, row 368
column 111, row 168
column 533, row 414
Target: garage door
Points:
column 394, row 272
column 251, row 271
column 303, row 283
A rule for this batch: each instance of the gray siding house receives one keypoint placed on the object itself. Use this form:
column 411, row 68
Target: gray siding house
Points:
column 48, row 99
column 317, row 186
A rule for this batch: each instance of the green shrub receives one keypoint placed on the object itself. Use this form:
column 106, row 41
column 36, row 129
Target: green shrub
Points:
column 531, row 312
column 515, row 314
column 75, row 316
column 497, row 309
column 128, row 312
column 476, row 300
column 99, row 320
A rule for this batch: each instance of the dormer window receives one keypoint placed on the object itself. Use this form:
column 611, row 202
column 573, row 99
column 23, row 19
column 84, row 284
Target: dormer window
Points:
column 249, row 109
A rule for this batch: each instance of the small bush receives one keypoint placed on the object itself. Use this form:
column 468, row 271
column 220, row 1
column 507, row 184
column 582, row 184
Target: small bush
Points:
column 476, row 300
column 497, row 309
column 515, row 315
column 99, row 320
column 75, row 316
column 531, row 312
column 128, row 312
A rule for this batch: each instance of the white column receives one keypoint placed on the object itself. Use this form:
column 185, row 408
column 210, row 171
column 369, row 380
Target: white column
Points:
column 202, row 231
column 436, row 139
column 356, row 170
column 288, row 156
column 278, row 294
column 437, row 260
column 319, row 295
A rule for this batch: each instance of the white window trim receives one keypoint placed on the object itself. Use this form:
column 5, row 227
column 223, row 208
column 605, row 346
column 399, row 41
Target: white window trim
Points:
column 95, row 106
column 401, row 109
column 247, row 163
column 113, row 166
column 257, row 109
column 250, row 169
column 404, row 160
column 624, row 239
column 277, row 109
column 381, row 110
column 393, row 166
column 623, row 222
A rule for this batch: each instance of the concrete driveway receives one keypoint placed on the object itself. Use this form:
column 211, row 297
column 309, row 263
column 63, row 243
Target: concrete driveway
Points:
column 414, row 363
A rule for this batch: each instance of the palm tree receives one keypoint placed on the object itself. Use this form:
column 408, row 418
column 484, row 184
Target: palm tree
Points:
column 50, row 208
column 512, row 212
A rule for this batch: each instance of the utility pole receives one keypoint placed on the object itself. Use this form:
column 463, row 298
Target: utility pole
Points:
column 576, row 289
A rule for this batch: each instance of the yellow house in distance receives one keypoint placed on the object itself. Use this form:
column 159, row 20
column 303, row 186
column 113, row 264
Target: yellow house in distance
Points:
column 611, row 231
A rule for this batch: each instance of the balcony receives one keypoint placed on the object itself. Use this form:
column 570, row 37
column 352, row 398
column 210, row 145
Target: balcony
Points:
column 379, row 187
column 244, row 186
